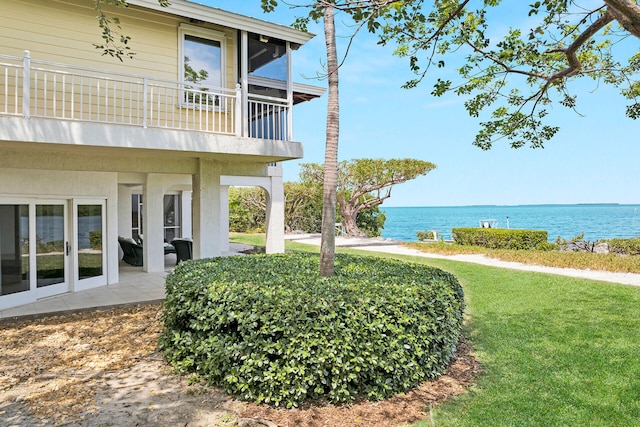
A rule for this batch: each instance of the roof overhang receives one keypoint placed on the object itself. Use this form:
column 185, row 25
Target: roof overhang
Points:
column 303, row 93
column 200, row 12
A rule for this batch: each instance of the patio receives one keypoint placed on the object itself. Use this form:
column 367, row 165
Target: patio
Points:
column 135, row 287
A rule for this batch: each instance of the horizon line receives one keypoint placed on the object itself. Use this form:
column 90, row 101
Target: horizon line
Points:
column 515, row 205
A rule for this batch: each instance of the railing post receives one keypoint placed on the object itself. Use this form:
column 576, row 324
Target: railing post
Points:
column 26, row 85
column 238, row 107
column 289, row 122
column 145, row 88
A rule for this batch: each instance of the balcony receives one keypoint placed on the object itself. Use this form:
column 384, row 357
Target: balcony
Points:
column 44, row 90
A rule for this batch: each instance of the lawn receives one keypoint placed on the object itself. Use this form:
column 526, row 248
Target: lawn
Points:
column 556, row 351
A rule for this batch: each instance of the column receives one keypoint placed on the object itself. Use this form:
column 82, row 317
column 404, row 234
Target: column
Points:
column 224, row 218
column 186, row 219
column 124, row 211
column 113, row 214
column 153, row 214
column 206, row 210
column 275, row 216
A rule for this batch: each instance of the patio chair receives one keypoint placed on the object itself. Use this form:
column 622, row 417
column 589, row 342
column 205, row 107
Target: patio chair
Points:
column 184, row 249
column 132, row 251
column 168, row 248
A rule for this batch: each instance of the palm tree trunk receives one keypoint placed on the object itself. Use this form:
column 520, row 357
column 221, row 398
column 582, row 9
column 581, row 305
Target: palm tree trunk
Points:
column 328, row 241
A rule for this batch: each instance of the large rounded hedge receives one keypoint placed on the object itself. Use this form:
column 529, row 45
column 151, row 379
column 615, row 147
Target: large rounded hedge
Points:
column 269, row 329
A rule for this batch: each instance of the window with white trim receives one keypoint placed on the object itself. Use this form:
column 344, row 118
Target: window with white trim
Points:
column 202, row 65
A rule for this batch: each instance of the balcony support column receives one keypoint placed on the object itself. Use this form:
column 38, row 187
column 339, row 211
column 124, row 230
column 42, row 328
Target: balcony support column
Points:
column 186, row 215
column 224, row 218
column 206, row 210
column 275, row 216
column 153, row 214
column 125, row 224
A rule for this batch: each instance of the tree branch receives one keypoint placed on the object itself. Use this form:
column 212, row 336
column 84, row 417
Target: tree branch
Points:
column 627, row 13
column 570, row 52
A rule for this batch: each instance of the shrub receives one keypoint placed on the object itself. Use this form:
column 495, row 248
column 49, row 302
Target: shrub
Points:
column 426, row 235
column 371, row 221
column 499, row 238
column 247, row 209
column 546, row 246
column 625, row 246
column 95, row 239
column 268, row 328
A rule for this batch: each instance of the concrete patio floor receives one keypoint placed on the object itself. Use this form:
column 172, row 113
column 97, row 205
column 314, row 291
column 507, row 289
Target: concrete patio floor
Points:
column 135, row 287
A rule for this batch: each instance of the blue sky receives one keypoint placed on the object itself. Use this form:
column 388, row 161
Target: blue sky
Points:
column 593, row 159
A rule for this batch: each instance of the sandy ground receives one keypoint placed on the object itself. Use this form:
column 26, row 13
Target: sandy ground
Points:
column 99, row 368
column 102, row 368
column 396, row 247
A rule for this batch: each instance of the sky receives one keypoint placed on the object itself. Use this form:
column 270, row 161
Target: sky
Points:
column 594, row 158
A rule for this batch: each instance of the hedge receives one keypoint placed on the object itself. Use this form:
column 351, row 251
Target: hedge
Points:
column 500, row 238
column 267, row 328
column 625, row 246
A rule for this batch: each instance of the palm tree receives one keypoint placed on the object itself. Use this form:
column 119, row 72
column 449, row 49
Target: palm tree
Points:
column 328, row 241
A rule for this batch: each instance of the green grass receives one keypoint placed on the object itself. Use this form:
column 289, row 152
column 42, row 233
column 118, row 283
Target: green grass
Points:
column 555, row 351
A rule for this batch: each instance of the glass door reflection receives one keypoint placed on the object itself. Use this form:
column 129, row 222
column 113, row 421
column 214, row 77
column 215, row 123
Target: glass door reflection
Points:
column 14, row 249
column 89, row 241
column 51, row 247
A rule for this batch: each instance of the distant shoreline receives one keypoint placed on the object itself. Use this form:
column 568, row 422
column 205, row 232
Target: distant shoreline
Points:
column 512, row 206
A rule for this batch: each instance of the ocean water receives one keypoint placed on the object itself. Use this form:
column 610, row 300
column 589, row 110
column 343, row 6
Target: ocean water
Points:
column 599, row 221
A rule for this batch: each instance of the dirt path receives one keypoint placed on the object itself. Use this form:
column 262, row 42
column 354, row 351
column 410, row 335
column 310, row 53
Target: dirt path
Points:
column 397, row 247
column 102, row 369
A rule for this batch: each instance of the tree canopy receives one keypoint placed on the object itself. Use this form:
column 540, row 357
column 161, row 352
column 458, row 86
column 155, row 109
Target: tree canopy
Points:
column 365, row 183
column 510, row 78
column 115, row 43
column 519, row 74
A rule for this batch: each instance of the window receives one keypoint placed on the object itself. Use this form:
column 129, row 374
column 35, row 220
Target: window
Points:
column 171, row 213
column 267, row 57
column 268, row 108
column 172, row 228
column 267, row 67
column 136, row 216
column 202, row 66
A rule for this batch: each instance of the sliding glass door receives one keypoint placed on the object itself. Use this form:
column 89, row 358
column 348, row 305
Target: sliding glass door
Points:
column 49, row 247
column 14, row 249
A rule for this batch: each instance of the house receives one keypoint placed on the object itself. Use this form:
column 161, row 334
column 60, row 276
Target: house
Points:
column 93, row 148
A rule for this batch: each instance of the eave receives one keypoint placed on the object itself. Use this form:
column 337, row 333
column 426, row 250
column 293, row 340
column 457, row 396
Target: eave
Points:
column 200, row 12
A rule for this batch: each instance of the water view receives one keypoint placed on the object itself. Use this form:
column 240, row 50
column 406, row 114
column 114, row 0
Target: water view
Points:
column 599, row 221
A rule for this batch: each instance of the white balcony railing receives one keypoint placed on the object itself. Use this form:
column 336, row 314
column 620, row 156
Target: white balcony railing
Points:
column 39, row 89
column 268, row 118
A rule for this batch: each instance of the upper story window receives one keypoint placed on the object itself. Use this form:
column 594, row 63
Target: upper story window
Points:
column 267, row 57
column 202, row 65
